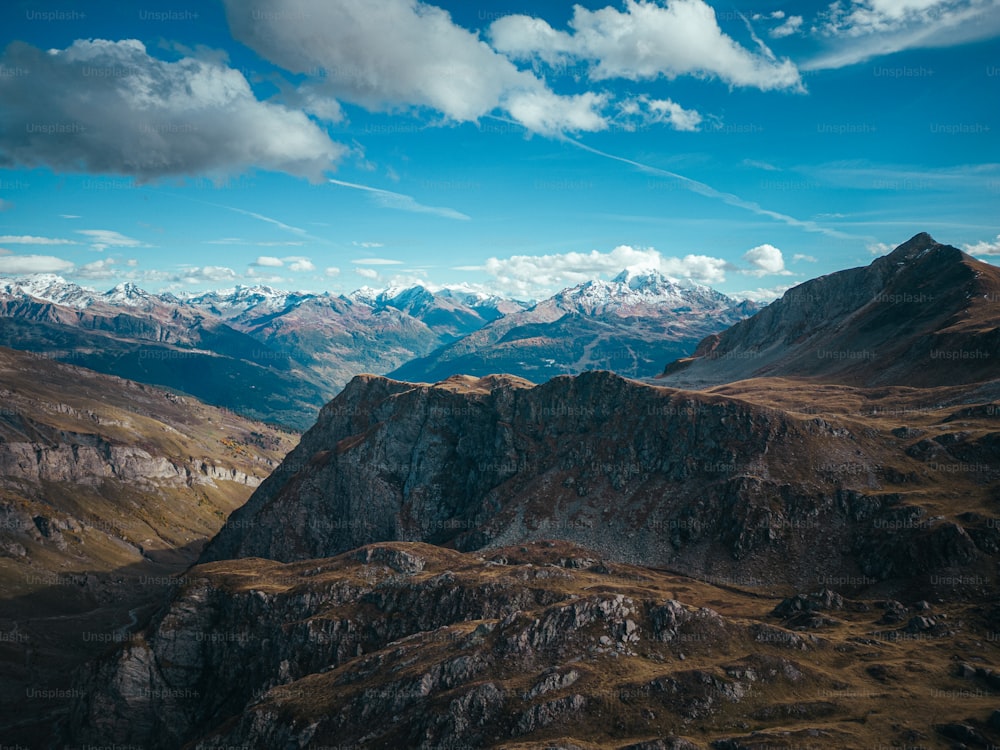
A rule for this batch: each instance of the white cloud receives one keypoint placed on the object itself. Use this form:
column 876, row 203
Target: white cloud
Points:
column 545, row 112
column 5, row 251
column 23, row 264
column 147, row 117
column 765, row 260
column 760, row 165
column 368, row 273
column 791, row 26
column 69, row 216
column 389, row 199
column 331, row 271
column 763, row 296
column 368, row 244
column 800, row 257
column 376, row 262
column 862, row 29
column 100, row 239
column 27, row 239
column 645, row 41
column 208, row 273
column 984, row 248
column 880, row 248
column 645, row 111
column 301, row 265
column 537, row 275
column 269, row 261
column 99, row 269
column 263, row 278
column 390, row 54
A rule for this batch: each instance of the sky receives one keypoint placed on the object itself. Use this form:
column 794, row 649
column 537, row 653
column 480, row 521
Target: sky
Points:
column 503, row 146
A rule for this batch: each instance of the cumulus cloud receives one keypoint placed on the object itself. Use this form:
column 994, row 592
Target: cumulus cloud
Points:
column 24, row 264
column 387, row 55
column 984, row 248
column 198, row 275
column 763, row 296
column 295, row 263
column 331, row 271
column 647, row 40
column 880, row 248
column 537, row 275
column 99, row 269
column 109, row 107
column 645, row 111
column 765, row 260
column 792, row 25
column 27, row 239
column 301, row 265
column 101, row 239
column 800, row 257
column 368, row 273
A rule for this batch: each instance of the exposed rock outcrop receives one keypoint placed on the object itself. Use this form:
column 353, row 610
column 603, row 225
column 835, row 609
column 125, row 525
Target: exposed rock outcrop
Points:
column 699, row 482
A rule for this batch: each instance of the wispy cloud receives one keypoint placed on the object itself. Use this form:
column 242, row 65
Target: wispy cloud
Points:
column 710, row 192
column 860, row 31
column 376, row 262
column 402, row 202
column 27, row 239
column 101, row 239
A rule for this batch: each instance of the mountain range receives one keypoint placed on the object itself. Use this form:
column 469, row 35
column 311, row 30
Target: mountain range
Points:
column 629, row 325
column 802, row 559
column 279, row 356
column 801, row 552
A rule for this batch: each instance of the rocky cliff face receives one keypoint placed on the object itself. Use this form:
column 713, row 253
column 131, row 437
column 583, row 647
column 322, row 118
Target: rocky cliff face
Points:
column 927, row 314
column 108, row 489
column 538, row 645
column 703, row 483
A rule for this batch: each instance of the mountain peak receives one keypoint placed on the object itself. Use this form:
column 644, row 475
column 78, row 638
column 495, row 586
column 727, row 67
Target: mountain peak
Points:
column 914, row 247
column 902, row 320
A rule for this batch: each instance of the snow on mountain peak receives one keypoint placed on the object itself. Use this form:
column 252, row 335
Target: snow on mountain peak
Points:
column 50, row 288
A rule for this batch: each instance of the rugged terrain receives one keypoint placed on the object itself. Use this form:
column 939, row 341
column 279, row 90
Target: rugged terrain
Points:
column 802, row 560
column 926, row 314
column 108, row 490
column 832, row 481
column 542, row 645
column 630, row 325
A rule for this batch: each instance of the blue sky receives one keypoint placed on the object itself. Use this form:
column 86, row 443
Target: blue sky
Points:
column 505, row 146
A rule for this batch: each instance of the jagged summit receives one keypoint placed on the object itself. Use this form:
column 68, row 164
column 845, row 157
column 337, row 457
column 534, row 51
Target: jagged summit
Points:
column 925, row 314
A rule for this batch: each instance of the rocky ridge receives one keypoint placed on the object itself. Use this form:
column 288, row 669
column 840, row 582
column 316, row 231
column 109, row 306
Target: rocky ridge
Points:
column 703, row 483
column 926, row 314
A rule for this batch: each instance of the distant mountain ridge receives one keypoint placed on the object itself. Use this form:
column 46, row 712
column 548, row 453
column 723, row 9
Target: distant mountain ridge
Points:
column 280, row 355
column 926, row 314
column 628, row 325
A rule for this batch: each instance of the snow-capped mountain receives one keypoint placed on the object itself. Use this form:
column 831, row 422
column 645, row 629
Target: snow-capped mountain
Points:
column 50, row 288
column 630, row 289
column 310, row 345
column 240, row 299
column 627, row 325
